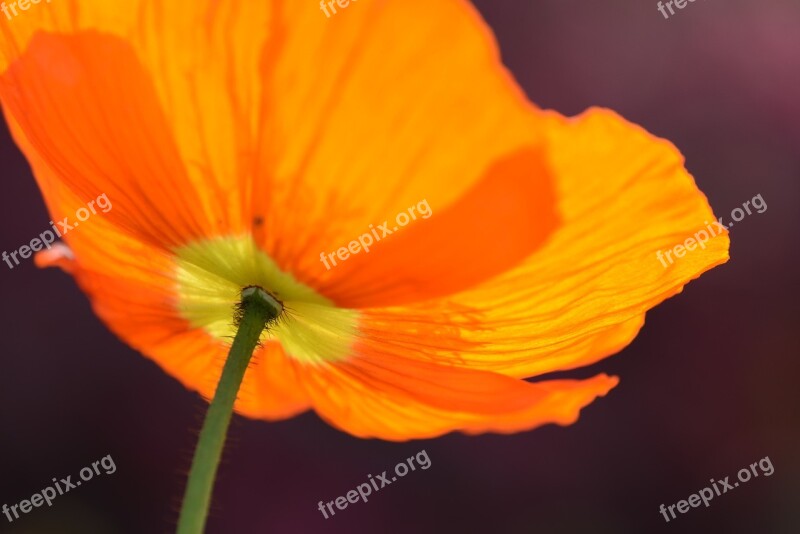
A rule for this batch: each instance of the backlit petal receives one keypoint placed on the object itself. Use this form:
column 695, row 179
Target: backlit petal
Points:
column 624, row 196
column 397, row 398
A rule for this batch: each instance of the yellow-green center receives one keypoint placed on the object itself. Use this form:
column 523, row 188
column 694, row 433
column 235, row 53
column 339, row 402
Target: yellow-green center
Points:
column 211, row 275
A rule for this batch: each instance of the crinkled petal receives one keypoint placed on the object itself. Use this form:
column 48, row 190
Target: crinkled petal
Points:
column 399, row 398
column 624, row 196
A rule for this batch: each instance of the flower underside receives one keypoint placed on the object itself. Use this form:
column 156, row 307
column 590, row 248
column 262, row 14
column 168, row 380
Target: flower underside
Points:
column 211, row 275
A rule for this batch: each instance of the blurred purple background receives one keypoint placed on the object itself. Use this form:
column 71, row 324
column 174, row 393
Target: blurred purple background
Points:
column 708, row 387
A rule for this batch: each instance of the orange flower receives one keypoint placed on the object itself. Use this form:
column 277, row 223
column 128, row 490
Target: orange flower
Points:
column 238, row 143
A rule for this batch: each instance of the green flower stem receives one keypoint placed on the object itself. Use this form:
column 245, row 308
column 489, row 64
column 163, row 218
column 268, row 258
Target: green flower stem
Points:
column 257, row 309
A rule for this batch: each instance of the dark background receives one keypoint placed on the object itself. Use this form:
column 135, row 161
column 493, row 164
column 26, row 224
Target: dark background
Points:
column 708, row 387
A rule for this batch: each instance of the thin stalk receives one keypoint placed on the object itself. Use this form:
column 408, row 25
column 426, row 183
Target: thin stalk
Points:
column 256, row 310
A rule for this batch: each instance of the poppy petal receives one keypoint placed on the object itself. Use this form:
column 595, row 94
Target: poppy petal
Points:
column 398, row 398
column 60, row 94
column 358, row 131
column 131, row 285
column 187, row 82
column 624, row 196
column 281, row 125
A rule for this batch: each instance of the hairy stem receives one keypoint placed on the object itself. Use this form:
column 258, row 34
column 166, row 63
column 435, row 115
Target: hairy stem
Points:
column 257, row 309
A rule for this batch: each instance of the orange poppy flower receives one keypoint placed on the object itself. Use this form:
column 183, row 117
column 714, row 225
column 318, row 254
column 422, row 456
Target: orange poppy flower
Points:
column 240, row 140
